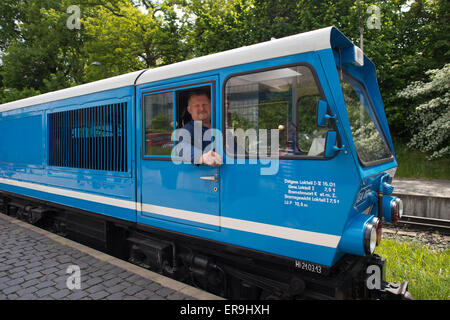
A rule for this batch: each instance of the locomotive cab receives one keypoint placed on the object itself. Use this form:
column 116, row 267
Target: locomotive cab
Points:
column 365, row 127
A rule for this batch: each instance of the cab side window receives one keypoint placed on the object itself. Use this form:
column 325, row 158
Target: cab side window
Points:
column 283, row 100
column 158, row 124
column 164, row 112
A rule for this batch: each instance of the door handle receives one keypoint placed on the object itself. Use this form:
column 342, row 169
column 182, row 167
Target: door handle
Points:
column 214, row 178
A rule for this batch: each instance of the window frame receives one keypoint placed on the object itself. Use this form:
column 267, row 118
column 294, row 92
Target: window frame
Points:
column 376, row 123
column 174, row 89
column 283, row 66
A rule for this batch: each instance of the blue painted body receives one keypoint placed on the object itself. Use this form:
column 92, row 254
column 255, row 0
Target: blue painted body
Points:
column 247, row 209
column 33, row 168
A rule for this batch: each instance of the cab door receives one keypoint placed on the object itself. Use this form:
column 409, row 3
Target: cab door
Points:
column 174, row 194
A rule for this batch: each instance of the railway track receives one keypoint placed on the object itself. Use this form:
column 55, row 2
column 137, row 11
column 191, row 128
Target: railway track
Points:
column 443, row 226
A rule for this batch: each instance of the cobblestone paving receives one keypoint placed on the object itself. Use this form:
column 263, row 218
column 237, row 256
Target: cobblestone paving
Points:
column 34, row 267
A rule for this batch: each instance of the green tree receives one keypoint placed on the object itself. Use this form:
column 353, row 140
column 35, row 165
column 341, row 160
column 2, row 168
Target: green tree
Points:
column 40, row 52
column 412, row 39
column 10, row 14
column 215, row 26
column 127, row 39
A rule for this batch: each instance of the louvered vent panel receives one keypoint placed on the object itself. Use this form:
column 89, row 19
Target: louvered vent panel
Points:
column 91, row 138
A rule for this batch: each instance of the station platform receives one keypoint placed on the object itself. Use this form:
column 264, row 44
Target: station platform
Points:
column 34, row 265
column 424, row 198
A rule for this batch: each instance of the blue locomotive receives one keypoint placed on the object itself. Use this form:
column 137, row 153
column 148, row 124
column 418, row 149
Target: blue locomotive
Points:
column 286, row 200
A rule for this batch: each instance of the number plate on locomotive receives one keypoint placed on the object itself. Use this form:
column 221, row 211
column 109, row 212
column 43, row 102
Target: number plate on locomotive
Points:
column 311, row 267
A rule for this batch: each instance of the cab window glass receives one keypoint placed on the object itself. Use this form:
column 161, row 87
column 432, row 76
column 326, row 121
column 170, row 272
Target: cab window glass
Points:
column 158, row 124
column 282, row 100
column 367, row 136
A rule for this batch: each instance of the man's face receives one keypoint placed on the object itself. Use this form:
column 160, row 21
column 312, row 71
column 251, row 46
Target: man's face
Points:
column 200, row 109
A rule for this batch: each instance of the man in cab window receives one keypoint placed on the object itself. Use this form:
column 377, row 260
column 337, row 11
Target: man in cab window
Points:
column 199, row 107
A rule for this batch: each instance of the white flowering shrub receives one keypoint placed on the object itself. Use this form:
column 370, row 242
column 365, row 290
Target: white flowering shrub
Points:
column 431, row 120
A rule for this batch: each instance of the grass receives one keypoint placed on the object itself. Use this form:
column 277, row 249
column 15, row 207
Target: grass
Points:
column 426, row 271
column 414, row 164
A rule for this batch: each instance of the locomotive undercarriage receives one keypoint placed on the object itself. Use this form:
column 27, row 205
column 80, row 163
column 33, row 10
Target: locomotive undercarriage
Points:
column 228, row 271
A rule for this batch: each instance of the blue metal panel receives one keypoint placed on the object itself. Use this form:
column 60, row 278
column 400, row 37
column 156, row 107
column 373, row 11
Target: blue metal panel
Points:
column 110, row 186
column 21, row 141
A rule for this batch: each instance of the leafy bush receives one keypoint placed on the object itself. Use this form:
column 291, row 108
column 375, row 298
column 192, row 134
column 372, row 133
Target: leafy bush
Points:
column 425, row 268
column 430, row 123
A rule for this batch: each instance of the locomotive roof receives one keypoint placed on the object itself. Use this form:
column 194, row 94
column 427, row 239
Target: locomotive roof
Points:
column 300, row 43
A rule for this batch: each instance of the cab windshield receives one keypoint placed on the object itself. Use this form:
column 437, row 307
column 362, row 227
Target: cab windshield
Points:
column 367, row 134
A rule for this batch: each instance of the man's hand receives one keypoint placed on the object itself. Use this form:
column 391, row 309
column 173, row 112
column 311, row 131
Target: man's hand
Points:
column 211, row 158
